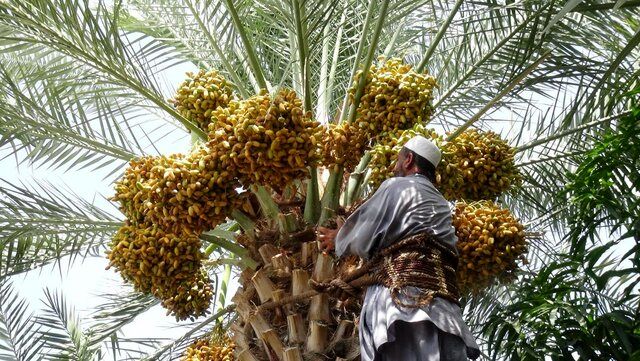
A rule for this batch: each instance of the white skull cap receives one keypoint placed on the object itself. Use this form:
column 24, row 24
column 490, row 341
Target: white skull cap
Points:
column 424, row 148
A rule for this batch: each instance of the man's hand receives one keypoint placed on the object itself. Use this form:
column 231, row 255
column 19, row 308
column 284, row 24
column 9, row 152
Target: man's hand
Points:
column 327, row 236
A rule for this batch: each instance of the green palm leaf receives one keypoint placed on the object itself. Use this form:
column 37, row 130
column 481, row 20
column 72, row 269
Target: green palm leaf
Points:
column 59, row 126
column 19, row 338
column 62, row 331
column 177, row 346
column 89, row 36
column 116, row 311
column 41, row 224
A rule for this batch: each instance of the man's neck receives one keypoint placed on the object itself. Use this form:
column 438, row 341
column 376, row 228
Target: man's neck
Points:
column 416, row 174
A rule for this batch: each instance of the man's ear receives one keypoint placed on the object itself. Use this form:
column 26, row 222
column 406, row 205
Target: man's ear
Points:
column 408, row 159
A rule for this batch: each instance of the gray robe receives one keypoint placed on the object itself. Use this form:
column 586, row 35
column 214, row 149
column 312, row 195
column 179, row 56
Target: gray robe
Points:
column 402, row 207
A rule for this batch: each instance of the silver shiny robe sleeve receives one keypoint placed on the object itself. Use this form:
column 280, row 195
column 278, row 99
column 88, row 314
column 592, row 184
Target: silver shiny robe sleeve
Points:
column 401, row 207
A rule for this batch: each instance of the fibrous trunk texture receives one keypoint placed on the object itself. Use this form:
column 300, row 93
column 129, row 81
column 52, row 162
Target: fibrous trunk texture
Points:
column 303, row 325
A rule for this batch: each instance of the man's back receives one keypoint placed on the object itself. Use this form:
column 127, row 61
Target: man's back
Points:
column 401, row 207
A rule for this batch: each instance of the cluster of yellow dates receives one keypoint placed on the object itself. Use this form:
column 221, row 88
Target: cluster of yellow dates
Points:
column 170, row 200
column 478, row 165
column 265, row 140
column 210, row 349
column 164, row 264
column 200, row 94
column 490, row 243
column 343, row 145
column 395, row 98
column 182, row 193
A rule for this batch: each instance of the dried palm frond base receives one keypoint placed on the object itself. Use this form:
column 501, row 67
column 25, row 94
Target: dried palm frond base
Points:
column 310, row 328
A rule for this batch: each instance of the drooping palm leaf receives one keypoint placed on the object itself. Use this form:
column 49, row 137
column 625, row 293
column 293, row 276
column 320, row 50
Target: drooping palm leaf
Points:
column 62, row 331
column 108, row 319
column 19, row 338
column 40, row 224
column 58, row 126
column 91, row 36
column 177, row 346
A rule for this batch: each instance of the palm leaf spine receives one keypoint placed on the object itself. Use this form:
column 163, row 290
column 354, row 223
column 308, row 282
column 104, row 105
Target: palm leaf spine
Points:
column 356, row 60
column 302, row 54
column 434, row 44
column 577, row 129
column 499, row 96
column 367, row 61
column 253, row 60
column 357, row 178
column 484, row 58
column 225, row 62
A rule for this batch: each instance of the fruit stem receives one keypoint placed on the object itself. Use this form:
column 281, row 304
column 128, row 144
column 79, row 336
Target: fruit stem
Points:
column 222, row 294
column 209, row 250
column 312, row 202
column 303, row 51
column 356, row 180
column 267, row 204
column 245, row 222
column 232, row 247
column 331, row 194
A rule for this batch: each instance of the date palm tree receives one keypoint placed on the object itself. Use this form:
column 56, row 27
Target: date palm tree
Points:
column 83, row 88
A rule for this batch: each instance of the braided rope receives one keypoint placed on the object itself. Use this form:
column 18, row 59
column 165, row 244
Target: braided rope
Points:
column 418, row 261
column 422, row 262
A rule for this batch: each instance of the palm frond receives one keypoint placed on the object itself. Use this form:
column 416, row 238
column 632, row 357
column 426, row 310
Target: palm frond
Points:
column 553, row 74
column 576, row 301
column 55, row 125
column 125, row 348
column 177, row 346
column 40, row 224
column 118, row 310
column 19, row 333
column 62, row 331
column 90, row 35
column 181, row 26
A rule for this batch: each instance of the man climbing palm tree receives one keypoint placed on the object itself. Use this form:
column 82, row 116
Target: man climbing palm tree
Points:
column 404, row 322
